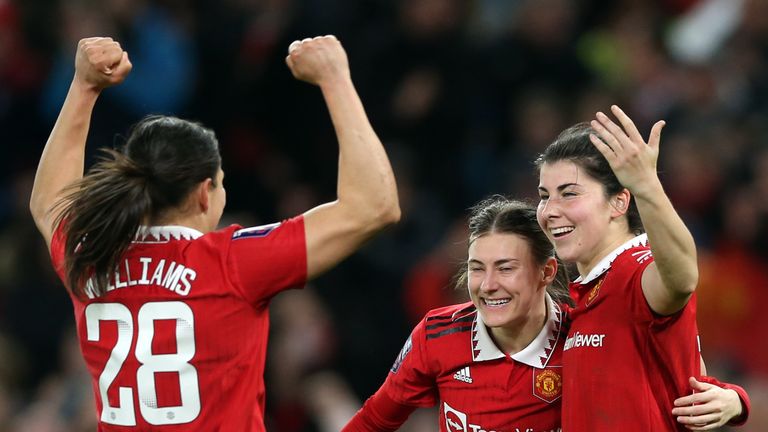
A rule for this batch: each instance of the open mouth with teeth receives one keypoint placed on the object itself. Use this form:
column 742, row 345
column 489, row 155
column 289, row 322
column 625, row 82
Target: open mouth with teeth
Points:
column 495, row 302
column 561, row 231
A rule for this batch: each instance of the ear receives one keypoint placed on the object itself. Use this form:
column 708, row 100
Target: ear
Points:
column 549, row 271
column 620, row 203
column 202, row 193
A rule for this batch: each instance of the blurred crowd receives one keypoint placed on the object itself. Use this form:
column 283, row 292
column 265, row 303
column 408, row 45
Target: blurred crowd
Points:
column 464, row 94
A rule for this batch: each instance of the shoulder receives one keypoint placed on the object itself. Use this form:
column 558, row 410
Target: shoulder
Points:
column 240, row 234
column 439, row 337
column 633, row 260
column 449, row 320
column 457, row 313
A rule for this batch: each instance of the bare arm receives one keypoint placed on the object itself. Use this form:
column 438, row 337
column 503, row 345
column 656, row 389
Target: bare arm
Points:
column 671, row 279
column 366, row 192
column 99, row 63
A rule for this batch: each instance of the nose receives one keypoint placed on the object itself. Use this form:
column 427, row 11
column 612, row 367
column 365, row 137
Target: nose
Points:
column 489, row 282
column 550, row 208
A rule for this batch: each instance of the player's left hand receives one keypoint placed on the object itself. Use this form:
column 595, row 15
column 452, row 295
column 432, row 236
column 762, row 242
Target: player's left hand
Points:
column 709, row 408
column 631, row 158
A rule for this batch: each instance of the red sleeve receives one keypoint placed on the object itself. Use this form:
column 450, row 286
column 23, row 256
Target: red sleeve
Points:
column 380, row 414
column 635, row 262
column 268, row 259
column 411, row 380
column 746, row 404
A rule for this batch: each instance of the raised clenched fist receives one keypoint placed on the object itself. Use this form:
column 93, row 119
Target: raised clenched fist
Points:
column 101, row 62
column 318, row 60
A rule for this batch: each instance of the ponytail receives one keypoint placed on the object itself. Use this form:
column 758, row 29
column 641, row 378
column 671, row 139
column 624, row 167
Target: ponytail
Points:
column 101, row 215
column 164, row 158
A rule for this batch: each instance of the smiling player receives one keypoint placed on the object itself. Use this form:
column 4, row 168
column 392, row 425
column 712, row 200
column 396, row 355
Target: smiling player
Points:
column 494, row 363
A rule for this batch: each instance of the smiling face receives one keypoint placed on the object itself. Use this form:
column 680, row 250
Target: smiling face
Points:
column 505, row 283
column 577, row 216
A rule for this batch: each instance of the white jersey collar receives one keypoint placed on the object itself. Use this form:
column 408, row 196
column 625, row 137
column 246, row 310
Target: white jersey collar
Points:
column 164, row 234
column 606, row 262
column 536, row 354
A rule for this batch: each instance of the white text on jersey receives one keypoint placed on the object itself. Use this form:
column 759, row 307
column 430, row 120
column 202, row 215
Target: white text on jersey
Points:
column 580, row 340
column 168, row 274
column 457, row 421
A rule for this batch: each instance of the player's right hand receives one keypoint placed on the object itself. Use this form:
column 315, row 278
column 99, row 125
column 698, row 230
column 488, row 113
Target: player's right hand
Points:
column 101, row 63
column 318, row 60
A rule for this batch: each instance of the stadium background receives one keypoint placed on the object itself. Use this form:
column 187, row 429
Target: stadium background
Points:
column 463, row 94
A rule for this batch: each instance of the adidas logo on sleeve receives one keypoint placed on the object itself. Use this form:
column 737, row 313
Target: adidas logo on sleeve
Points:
column 463, row 375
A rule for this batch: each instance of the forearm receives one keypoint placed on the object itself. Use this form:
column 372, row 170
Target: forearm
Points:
column 673, row 247
column 366, row 183
column 379, row 414
column 62, row 160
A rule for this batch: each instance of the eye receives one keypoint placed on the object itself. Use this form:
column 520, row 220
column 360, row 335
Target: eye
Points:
column 543, row 197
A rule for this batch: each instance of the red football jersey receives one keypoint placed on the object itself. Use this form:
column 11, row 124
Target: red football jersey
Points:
column 625, row 364
column 178, row 342
column 451, row 360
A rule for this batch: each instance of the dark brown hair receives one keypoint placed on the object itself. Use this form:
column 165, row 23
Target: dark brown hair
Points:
column 162, row 161
column 499, row 214
column 573, row 145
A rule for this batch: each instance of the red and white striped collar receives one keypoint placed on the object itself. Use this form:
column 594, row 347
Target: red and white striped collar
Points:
column 164, row 234
column 606, row 262
column 536, row 354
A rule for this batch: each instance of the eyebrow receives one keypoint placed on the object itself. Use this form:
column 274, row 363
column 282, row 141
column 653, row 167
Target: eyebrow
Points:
column 561, row 187
column 497, row 262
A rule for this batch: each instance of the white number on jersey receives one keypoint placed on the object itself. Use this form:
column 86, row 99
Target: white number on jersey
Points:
column 124, row 414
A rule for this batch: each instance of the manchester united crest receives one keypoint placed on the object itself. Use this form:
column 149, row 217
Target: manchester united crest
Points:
column 594, row 292
column 548, row 383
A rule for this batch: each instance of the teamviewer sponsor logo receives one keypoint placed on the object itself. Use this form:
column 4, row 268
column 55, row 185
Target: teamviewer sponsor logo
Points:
column 457, row 421
column 588, row 340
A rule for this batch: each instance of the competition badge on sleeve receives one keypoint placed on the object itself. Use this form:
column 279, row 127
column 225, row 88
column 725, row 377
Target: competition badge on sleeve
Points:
column 257, row 231
column 548, row 383
column 403, row 352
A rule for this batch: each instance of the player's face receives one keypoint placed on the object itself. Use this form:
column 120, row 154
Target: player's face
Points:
column 218, row 199
column 574, row 212
column 504, row 281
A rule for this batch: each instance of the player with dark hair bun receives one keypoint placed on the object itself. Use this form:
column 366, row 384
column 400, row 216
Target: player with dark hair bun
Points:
column 172, row 313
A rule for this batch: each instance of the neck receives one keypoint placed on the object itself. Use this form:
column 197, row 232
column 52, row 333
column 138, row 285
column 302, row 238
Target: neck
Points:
column 612, row 241
column 513, row 338
column 196, row 221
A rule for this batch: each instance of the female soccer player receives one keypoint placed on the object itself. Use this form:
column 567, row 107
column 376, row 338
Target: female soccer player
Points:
column 633, row 340
column 493, row 364
column 172, row 313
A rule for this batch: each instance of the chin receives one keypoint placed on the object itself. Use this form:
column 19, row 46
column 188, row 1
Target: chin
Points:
column 495, row 320
column 565, row 254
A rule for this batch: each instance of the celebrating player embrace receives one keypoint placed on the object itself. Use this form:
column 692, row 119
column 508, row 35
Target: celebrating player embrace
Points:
column 171, row 312
column 632, row 344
